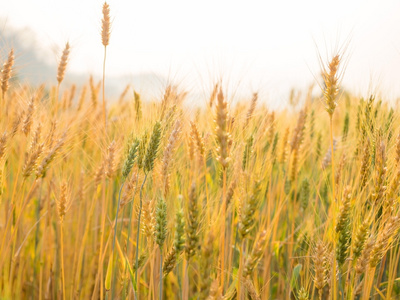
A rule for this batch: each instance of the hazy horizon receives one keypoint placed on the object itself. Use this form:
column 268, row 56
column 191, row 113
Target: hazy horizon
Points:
column 266, row 47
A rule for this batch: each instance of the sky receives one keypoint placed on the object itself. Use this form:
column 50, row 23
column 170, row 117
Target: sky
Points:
column 266, row 46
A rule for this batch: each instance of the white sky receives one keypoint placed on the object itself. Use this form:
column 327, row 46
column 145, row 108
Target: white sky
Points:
column 266, row 45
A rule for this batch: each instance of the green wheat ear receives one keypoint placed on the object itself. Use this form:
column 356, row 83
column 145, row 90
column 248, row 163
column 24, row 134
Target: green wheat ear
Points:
column 192, row 238
column 304, row 193
column 247, row 219
column 130, row 159
column 178, row 246
column 152, row 149
column 142, row 150
column 302, row 294
column 248, row 150
column 160, row 231
column 343, row 227
column 179, row 241
column 138, row 106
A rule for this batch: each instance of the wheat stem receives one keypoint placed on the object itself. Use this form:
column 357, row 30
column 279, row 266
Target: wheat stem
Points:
column 62, row 259
column 161, row 273
column 138, row 233
column 103, row 91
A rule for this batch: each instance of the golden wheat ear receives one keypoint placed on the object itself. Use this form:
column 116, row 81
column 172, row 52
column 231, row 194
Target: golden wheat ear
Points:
column 105, row 39
column 221, row 131
column 62, row 66
column 331, row 81
column 105, row 25
column 6, row 72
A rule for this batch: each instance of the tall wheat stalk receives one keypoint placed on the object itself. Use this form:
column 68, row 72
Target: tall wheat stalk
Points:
column 331, row 81
column 223, row 141
column 63, row 205
column 105, row 38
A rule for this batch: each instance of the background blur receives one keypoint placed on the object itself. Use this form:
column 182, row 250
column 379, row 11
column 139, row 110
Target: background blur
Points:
column 265, row 46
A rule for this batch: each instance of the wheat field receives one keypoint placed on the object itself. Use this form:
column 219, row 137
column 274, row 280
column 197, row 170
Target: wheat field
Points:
column 145, row 199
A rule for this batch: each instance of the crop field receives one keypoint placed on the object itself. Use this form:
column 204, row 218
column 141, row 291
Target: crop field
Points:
column 134, row 198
